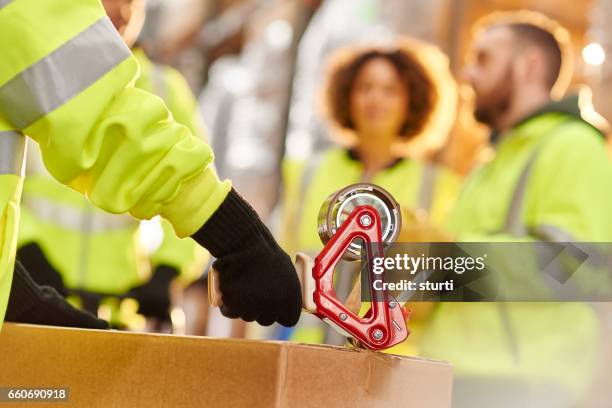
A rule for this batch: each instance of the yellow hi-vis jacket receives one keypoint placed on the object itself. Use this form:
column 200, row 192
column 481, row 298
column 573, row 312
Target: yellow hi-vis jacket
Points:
column 559, row 165
column 66, row 81
column 414, row 184
column 92, row 249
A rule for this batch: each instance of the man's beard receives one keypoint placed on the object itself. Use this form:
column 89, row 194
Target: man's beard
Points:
column 490, row 110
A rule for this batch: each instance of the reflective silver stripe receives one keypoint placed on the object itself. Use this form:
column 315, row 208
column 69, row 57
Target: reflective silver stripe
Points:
column 514, row 224
column 12, row 152
column 551, row 233
column 5, row 3
column 63, row 74
column 598, row 256
column 308, row 174
column 83, row 260
column 428, row 181
column 73, row 218
column 510, row 332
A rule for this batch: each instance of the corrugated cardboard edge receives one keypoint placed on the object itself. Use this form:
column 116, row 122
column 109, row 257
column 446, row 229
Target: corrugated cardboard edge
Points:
column 371, row 361
column 369, row 364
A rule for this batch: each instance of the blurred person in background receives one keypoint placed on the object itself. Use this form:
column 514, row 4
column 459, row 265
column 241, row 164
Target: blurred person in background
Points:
column 248, row 97
column 67, row 243
column 384, row 103
column 548, row 181
column 338, row 23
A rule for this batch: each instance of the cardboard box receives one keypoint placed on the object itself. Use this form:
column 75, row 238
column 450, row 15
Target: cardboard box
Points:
column 116, row 369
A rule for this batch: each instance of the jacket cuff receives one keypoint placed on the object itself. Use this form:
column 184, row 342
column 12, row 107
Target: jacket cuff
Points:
column 195, row 202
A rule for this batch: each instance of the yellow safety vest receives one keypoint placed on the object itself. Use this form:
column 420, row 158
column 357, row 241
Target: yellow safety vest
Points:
column 564, row 177
column 414, row 184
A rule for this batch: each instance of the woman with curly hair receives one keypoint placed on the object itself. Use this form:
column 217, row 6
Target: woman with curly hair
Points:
column 388, row 108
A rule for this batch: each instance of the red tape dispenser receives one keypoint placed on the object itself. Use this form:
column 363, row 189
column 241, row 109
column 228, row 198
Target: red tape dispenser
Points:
column 357, row 214
column 366, row 213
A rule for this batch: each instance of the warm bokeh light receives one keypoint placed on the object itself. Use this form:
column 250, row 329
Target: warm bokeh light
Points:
column 594, row 54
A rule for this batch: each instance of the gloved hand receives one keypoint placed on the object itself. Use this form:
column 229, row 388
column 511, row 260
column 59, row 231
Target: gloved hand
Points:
column 36, row 304
column 256, row 277
column 34, row 260
column 154, row 296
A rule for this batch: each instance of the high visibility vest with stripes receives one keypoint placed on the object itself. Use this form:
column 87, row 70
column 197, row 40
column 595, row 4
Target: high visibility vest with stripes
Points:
column 551, row 180
column 414, row 184
column 65, row 81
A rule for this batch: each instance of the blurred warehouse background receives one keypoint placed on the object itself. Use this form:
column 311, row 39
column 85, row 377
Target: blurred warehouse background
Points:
column 257, row 65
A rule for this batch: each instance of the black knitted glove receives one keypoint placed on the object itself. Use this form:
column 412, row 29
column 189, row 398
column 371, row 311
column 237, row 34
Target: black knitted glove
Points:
column 31, row 303
column 154, row 296
column 34, row 260
column 256, row 277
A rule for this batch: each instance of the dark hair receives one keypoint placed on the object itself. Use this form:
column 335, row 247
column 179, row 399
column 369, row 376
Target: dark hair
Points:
column 546, row 42
column 418, row 85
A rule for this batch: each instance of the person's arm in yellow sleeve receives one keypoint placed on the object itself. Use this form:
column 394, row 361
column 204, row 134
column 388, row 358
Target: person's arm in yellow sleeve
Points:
column 65, row 80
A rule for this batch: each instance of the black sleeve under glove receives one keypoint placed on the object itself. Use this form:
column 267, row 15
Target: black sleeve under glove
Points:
column 154, row 296
column 256, row 276
column 34, row 260
column 31, row 303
